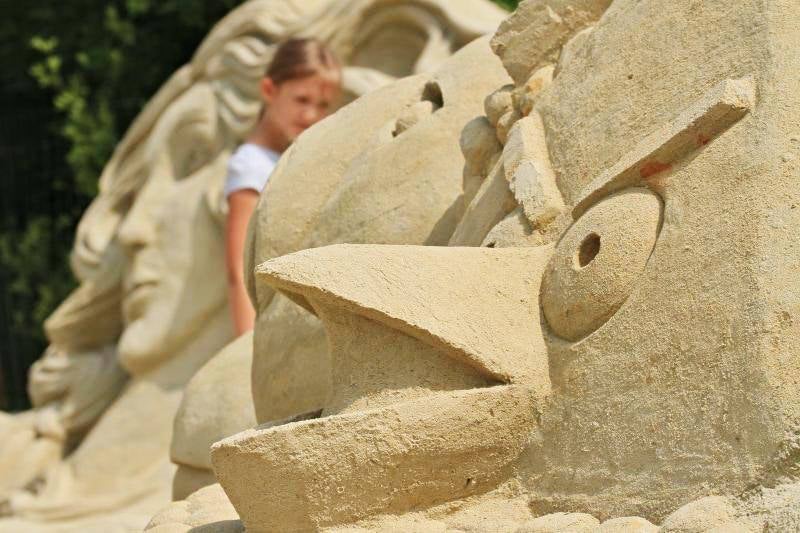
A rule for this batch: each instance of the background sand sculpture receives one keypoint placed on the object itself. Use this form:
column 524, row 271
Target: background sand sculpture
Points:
column 158, row 311
column 623, row 344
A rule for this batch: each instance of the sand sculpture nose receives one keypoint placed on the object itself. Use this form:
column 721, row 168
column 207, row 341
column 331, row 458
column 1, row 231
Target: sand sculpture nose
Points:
column 413, row 331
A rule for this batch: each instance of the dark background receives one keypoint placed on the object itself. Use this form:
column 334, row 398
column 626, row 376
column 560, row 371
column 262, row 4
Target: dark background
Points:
column 75, row 73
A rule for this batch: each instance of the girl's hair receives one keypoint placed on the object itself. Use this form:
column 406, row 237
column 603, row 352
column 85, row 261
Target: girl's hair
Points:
column 300, row 58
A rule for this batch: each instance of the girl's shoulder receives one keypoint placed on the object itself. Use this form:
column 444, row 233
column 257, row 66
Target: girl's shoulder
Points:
column 249, row 168
column 248, row 151
column 250, row 155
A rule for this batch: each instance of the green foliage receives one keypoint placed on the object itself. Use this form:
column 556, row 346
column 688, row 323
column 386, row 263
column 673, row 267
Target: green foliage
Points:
column 16, row 253
column 100, row 79
column 74, row 76
column 510, row 5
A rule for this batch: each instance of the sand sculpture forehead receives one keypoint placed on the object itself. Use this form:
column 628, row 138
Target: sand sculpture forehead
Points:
column 667, row 350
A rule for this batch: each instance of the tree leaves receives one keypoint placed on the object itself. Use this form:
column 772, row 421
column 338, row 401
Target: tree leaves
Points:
column 75, row 75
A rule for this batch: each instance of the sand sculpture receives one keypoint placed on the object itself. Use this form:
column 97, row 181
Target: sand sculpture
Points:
column 608, row 343
column 151, row 307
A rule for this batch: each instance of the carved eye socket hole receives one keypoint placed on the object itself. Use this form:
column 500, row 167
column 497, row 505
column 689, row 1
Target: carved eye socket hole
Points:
column 588, row 250
column 433, row 93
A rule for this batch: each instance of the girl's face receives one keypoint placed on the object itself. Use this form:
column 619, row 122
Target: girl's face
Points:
column 295, row 105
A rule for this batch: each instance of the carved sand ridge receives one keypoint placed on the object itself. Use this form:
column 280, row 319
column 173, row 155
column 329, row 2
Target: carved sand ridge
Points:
column 716, row 111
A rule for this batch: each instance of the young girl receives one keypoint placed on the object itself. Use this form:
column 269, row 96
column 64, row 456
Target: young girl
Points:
column 298, row 90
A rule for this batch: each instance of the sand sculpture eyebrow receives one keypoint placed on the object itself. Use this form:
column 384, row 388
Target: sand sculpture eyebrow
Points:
column 713, row 113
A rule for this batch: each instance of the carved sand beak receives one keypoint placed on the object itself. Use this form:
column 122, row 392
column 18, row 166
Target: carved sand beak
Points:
column 441, row 296
column 413, row 331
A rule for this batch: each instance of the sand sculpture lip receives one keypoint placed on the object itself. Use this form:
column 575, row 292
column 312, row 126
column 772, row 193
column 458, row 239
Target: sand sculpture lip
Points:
column 137, row 300
column 138, row 288
column 418, row 450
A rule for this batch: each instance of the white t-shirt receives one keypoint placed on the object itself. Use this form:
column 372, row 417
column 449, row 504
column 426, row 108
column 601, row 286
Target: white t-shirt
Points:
column 249, row 168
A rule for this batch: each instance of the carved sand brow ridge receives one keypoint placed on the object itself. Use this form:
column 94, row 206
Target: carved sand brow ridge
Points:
column 718, row 109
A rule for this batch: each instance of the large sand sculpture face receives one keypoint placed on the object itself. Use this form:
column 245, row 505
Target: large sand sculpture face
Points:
column 650, row 349
column 668, row 342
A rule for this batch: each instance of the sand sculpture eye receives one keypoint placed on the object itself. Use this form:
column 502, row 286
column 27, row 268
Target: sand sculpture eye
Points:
column 598, row 261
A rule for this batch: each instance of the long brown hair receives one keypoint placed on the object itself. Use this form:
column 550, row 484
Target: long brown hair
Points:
column 300, row 58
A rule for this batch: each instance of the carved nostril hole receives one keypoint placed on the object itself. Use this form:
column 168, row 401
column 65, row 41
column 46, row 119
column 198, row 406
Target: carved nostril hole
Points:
column 588, row 249
column 433, row 93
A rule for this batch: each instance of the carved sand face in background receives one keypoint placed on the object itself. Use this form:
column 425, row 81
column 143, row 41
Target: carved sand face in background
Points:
column 174, row 278
column 376, row 41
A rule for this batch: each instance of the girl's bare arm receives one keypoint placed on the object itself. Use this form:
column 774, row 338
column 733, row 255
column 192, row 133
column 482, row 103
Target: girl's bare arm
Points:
column 241, row 205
